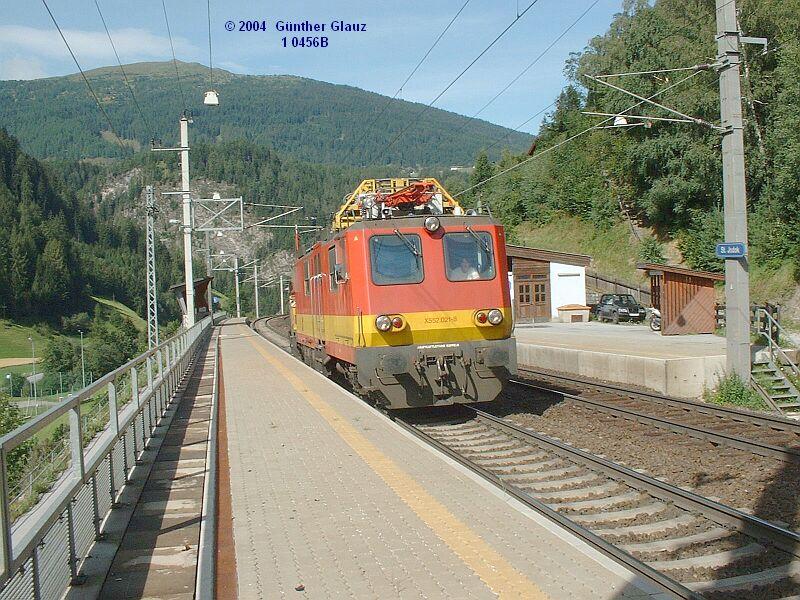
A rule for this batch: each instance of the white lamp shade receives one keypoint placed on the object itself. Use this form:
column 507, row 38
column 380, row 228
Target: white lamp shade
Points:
column 211, row 98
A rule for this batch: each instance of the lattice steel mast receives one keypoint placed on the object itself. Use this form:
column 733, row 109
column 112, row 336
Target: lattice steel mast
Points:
column 152, row 300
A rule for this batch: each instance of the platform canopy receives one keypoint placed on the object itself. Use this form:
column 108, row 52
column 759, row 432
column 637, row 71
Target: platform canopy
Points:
column 685, row 298
column 200, row 297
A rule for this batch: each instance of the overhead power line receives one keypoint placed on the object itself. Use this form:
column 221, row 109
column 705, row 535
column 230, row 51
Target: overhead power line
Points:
column 85, row 79
column 452, row 83
column 124, row 75
column 575, row 136
column 531, row 64
column 210, row 61
column 520, row 126
column 174, row 60
column 418, row 65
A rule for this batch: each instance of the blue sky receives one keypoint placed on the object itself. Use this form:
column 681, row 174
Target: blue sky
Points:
column 398, row 34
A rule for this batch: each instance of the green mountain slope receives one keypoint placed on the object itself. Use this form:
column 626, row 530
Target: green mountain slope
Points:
column 314, row 121
column 668, row 177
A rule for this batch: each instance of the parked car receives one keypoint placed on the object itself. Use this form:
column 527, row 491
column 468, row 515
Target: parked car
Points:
column 620, row 307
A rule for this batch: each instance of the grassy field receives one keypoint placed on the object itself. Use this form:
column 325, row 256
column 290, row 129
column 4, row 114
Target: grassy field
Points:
column 128, row 312
column 14, row 340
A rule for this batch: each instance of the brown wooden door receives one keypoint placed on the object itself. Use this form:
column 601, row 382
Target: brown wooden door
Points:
column 541, row 298
column 533, row 300
column 525, row 308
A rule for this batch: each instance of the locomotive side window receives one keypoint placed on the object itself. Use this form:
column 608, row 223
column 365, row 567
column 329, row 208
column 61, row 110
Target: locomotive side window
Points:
column 307, row 279
column 332, row 268
column 469, row 256
column 396, row 259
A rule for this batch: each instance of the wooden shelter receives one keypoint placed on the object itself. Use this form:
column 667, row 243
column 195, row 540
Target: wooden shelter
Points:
column 543, row 280
column 200, row 296
column 684, row 297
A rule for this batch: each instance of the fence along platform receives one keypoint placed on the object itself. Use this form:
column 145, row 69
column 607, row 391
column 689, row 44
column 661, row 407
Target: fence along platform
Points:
column 48, row 532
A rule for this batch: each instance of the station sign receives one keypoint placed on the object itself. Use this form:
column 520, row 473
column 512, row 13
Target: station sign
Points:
column 731, row 250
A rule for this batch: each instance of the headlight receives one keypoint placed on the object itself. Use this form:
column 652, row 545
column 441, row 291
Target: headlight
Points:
column 495, row 317
column 397, row 323
column 432, row 224
column 383, row 323
column 481, row 317
column 623, row 310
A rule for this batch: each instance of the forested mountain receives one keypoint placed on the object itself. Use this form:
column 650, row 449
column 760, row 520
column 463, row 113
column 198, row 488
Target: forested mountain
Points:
column 311, row 120
column 56, row 250
column 668, row 176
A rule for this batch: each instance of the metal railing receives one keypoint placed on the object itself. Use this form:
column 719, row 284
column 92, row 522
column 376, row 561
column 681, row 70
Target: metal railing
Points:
column 104, row 427
column 772, row 331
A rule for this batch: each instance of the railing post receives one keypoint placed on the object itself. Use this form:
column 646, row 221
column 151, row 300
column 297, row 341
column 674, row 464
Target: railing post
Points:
column 95, row 509
column 149, row 363
column 113, row 415
column 134, row 386
column 37, row 586
column 76, row 441
column 5, row 515
column 73, row 557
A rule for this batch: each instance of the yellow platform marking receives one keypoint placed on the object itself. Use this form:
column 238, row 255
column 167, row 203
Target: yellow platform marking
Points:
column 488, row 564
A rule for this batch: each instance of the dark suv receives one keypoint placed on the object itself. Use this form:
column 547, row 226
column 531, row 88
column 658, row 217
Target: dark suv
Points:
column 619, row 307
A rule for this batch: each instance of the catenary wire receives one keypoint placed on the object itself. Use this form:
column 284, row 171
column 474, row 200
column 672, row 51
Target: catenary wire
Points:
column 428, row 106
column 418, row 65
column 210, row 61
column 521, row 125
column 85, row 79
column 145, row 120
column 174, row 60
column 531, row 64
column 575, row 136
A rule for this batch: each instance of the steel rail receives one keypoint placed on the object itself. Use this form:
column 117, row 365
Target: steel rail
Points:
column 726, row 439
column 782, row 538
column 658, row 579
column 737, row 414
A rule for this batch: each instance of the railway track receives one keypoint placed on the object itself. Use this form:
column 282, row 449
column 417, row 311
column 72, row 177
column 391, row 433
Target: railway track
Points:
column 688, row 545
column 763, row 434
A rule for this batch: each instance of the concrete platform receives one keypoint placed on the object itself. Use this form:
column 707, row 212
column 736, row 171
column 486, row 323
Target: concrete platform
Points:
column 330, row 499
column 679, row 366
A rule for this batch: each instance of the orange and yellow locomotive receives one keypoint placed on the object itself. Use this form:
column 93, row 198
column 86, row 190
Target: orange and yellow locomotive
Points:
column 408, row 297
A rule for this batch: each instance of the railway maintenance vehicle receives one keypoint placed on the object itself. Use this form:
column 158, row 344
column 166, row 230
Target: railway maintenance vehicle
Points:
column 408, row 297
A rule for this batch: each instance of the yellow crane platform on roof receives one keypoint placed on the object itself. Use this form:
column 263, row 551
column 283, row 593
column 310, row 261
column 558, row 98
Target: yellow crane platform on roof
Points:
column 392, row 194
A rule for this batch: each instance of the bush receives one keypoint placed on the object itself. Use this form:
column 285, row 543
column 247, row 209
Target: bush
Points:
column 651, row 251
column 732, row 390
column 76, row 323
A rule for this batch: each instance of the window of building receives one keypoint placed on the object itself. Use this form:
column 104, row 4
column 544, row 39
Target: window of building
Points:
column 540, row 293
column 525, row 293
column 396, row 259
column 468, row 256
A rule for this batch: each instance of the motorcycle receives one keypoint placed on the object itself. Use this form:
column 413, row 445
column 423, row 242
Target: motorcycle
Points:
column 655, row 319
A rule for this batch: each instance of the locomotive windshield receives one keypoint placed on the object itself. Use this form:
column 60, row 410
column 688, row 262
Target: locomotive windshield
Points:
column 396, row 258
column 468, row 256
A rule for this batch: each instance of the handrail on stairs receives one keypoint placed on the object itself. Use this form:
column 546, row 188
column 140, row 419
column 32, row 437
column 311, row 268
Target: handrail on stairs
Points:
column 775, row 348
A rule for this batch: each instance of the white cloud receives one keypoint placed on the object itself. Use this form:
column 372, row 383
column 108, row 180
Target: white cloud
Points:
column 90, row 46
column 21, row 68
